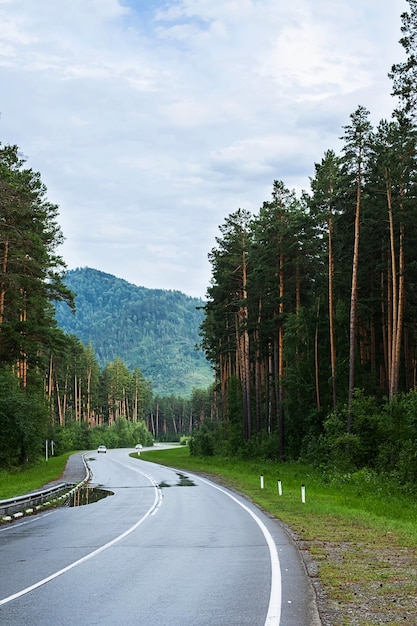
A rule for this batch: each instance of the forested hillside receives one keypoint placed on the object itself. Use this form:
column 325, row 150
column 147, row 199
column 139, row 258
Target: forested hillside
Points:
column 311, row 313
column 152, row 329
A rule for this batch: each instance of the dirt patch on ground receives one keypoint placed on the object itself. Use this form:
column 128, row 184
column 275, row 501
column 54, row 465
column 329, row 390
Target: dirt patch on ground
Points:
column 362, row 583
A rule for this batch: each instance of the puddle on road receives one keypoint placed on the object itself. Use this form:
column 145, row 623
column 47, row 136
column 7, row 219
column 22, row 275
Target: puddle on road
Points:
column 183, row 481
column 88, row 495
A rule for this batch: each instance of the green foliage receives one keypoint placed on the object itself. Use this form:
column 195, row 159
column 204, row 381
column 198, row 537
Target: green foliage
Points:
column 305, row 303
column 133, row 433
column 123, row 434
column 404, row 74
column 153, row 329
column 406, row 464
column 77, row 436
column 314, row 296
column 23, row 421
column 234, row 400
column 174, row 416
column 30, row 270
column 206, row 439
column 220, row 437
column 263, row 446
column 383, row 438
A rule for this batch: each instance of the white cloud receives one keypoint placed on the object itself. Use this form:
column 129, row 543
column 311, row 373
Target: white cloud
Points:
column 150, row 122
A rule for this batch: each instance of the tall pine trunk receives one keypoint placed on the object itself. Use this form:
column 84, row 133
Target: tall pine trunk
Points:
column 331, row 312
column 354, row 298
column 2, row 283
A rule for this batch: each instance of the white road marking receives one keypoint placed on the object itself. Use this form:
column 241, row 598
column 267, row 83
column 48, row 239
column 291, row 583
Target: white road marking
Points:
column 151, row 479
column 127, row 532
column 273, row 616
column 30, row 520
column 155, row 511
column 275, row 599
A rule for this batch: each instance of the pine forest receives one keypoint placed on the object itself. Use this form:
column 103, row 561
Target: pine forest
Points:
column 309, row 324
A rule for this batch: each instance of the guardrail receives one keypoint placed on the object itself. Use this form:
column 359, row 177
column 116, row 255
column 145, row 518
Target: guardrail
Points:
column 30, row 500
column 20, row 505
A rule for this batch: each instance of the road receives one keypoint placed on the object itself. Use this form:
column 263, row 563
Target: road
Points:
column 166, row 549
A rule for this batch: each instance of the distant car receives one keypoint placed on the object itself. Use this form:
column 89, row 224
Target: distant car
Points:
column 138, row 446
column 101, row 449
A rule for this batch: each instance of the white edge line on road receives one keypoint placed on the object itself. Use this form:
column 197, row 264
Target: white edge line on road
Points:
column 274, row 609
column 127, row 532
column 29, row 520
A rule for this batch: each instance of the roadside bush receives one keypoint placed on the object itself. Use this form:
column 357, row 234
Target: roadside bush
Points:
column 63, row 440
column 359, row 448
column 341, row 446
column 264, row 446
column 407, row 465
column 205, row 440
column 78, row 435
column 122, row 434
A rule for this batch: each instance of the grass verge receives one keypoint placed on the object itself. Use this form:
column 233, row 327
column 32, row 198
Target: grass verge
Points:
column 357, row 533
column 15, row 483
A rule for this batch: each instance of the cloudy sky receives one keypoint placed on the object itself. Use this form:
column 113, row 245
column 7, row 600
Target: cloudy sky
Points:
column 151, row 121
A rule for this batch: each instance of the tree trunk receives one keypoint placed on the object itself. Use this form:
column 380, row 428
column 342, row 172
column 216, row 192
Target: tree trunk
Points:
column 281, row 360
column 2, row 283
column 316, row 357
column 393, row 290
column 331, row 313
column 354, row 300
column 400, row 316
column 245, row 353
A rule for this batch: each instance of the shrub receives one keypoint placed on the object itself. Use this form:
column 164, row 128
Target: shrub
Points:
column 205, row 439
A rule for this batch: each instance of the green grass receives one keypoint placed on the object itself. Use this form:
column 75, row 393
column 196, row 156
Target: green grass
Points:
column 361, row 496
column 18, row 482
column 360, row 530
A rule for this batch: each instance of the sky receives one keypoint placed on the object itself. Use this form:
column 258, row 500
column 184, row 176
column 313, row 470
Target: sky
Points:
column 151, row 121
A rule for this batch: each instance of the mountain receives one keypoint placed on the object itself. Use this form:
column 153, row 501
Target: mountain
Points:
column 155, row 330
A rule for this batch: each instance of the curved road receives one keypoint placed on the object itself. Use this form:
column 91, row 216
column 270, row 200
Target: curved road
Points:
column 164, row 550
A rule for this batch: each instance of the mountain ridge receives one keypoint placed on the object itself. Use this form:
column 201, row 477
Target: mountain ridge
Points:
column 156, row 330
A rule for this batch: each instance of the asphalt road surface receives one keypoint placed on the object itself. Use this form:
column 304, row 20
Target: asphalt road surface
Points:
column 166, row 549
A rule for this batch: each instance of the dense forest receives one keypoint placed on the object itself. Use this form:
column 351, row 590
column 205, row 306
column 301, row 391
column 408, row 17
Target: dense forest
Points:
column 153, row 329
column 52, row 385
column 309, row 322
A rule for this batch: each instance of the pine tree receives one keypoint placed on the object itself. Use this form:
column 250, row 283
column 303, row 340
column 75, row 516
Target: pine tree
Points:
column 324, row 206
column 404, row 74
column 225, row 330
column 356, row 147
column 31, row 275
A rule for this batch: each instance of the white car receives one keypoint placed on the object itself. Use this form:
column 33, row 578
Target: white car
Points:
column 138, row 446
column 101, row 449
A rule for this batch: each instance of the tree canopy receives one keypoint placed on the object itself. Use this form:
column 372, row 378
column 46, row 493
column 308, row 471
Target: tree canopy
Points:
column 312, row 301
